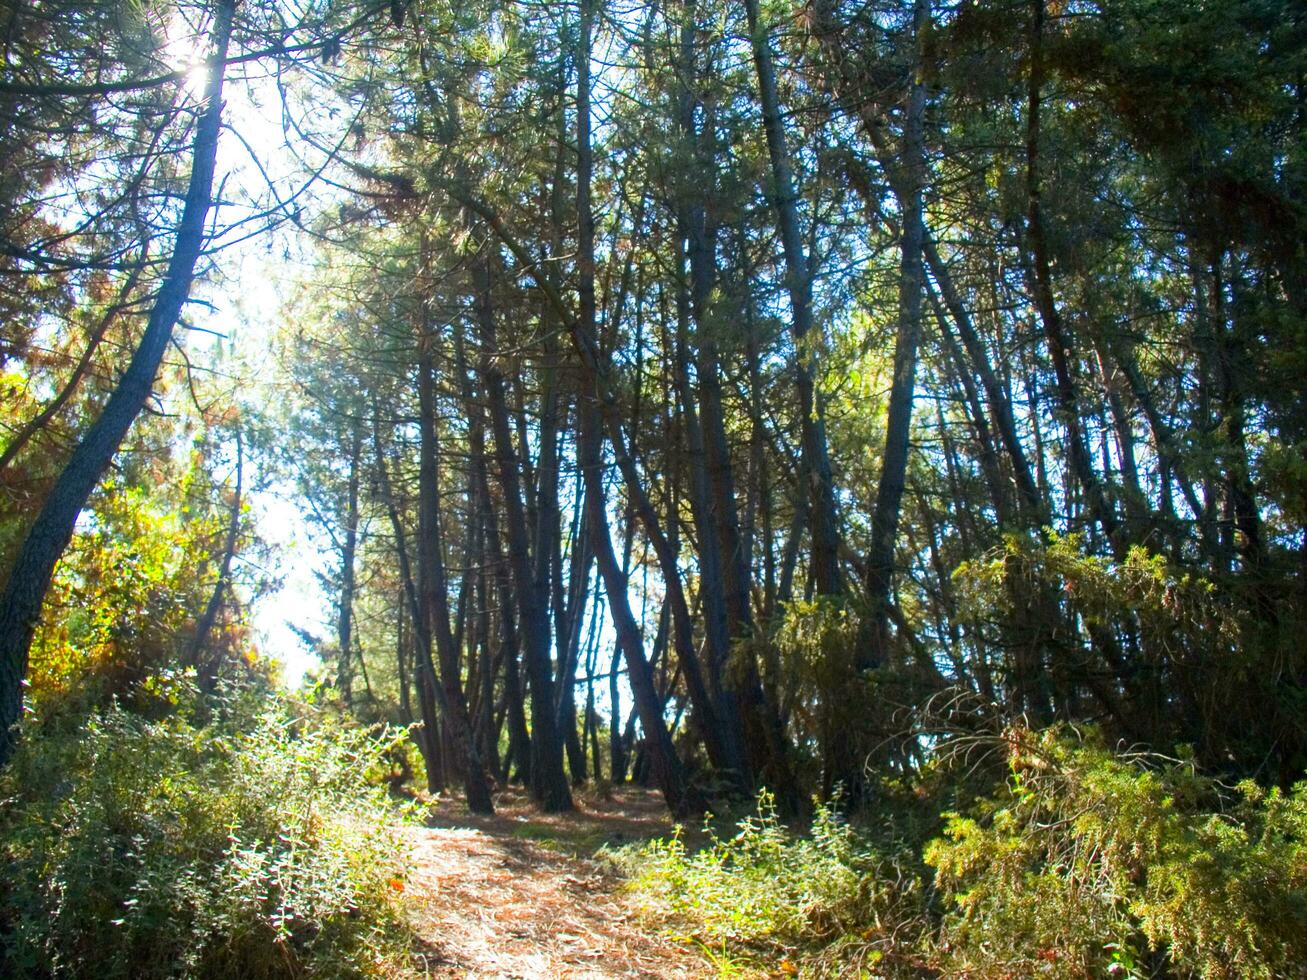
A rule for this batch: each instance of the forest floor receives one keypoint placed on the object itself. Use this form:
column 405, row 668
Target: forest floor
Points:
column 520, row 895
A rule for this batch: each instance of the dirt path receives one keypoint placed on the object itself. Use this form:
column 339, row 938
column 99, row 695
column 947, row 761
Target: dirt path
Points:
column 516, row 896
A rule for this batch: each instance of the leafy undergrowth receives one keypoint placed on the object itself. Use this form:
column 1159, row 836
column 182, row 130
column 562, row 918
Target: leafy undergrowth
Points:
column 766, row 900
column 153, row 848
column 1081, row 863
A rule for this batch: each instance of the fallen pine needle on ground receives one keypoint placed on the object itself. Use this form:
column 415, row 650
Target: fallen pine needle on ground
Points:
column 518, row 895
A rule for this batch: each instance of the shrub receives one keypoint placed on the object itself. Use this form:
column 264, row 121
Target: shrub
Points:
column 826, row 900
column 1084, row 862
column 139, row 848
column 126, row 595
column 1090, row 863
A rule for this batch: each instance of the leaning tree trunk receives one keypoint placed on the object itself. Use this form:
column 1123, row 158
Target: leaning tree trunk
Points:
column 672, row 779
column 30, row 576
column 680, row 796
column 1056, row 336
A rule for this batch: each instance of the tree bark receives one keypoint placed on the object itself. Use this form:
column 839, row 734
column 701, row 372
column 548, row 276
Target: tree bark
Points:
column 345, row 609
column 29, row 579
column 434, row 593
column 207, row 666
column 427, row 690
column 817, row 481
column 894, row 459
column 548, row 780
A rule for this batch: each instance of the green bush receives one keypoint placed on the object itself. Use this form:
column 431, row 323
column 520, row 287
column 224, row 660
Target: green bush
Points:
column 822, row 903
column 139, row 848
column 1083, row 862
column 1090, row 863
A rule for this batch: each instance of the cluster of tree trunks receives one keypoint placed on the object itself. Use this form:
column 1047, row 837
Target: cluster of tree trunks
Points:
column 597, row 348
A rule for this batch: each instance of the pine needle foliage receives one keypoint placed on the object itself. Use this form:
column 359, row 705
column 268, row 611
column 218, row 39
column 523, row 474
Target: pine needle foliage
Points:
column 1082, row 860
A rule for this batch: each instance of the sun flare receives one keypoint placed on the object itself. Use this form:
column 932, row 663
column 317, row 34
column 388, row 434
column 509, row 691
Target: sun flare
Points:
column 185, row 50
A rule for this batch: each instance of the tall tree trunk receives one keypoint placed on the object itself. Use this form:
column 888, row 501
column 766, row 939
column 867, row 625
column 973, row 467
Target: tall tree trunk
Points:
column 1000, row 405
column 668, row 772
column 29, row 579
column 723, row 563
column 207, row 663
column 894, row 459
column 424, row 671
column 490, row 661
column 519, row 738
column 595, row 377
column 434, row 592
column 401, row 662
column 666, row 765
column 1055, row 333
column 345, row 609
column 617, row 760
column 591, row 665
column 548, row 780
column 817, row 482
column 569, row 657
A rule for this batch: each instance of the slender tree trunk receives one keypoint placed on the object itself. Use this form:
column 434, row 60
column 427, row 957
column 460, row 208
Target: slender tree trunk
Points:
column 519, row 738
column 490, row 661
column 423, row 670
column 591, row 665
column 29, row 579
column 894, row 459
column 548, row 780
column 816, row 480
column 1244, row 513
column 989, row 461
column 1000, row 405
column 434, row 593
column 568, row 660
column 345, row 609
column 594, row 377
column 401, row 663
column 207, row 663
column 667, row 768
column 1055, row 333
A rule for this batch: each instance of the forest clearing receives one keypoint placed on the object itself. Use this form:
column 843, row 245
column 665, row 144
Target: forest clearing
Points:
column 653, row 488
